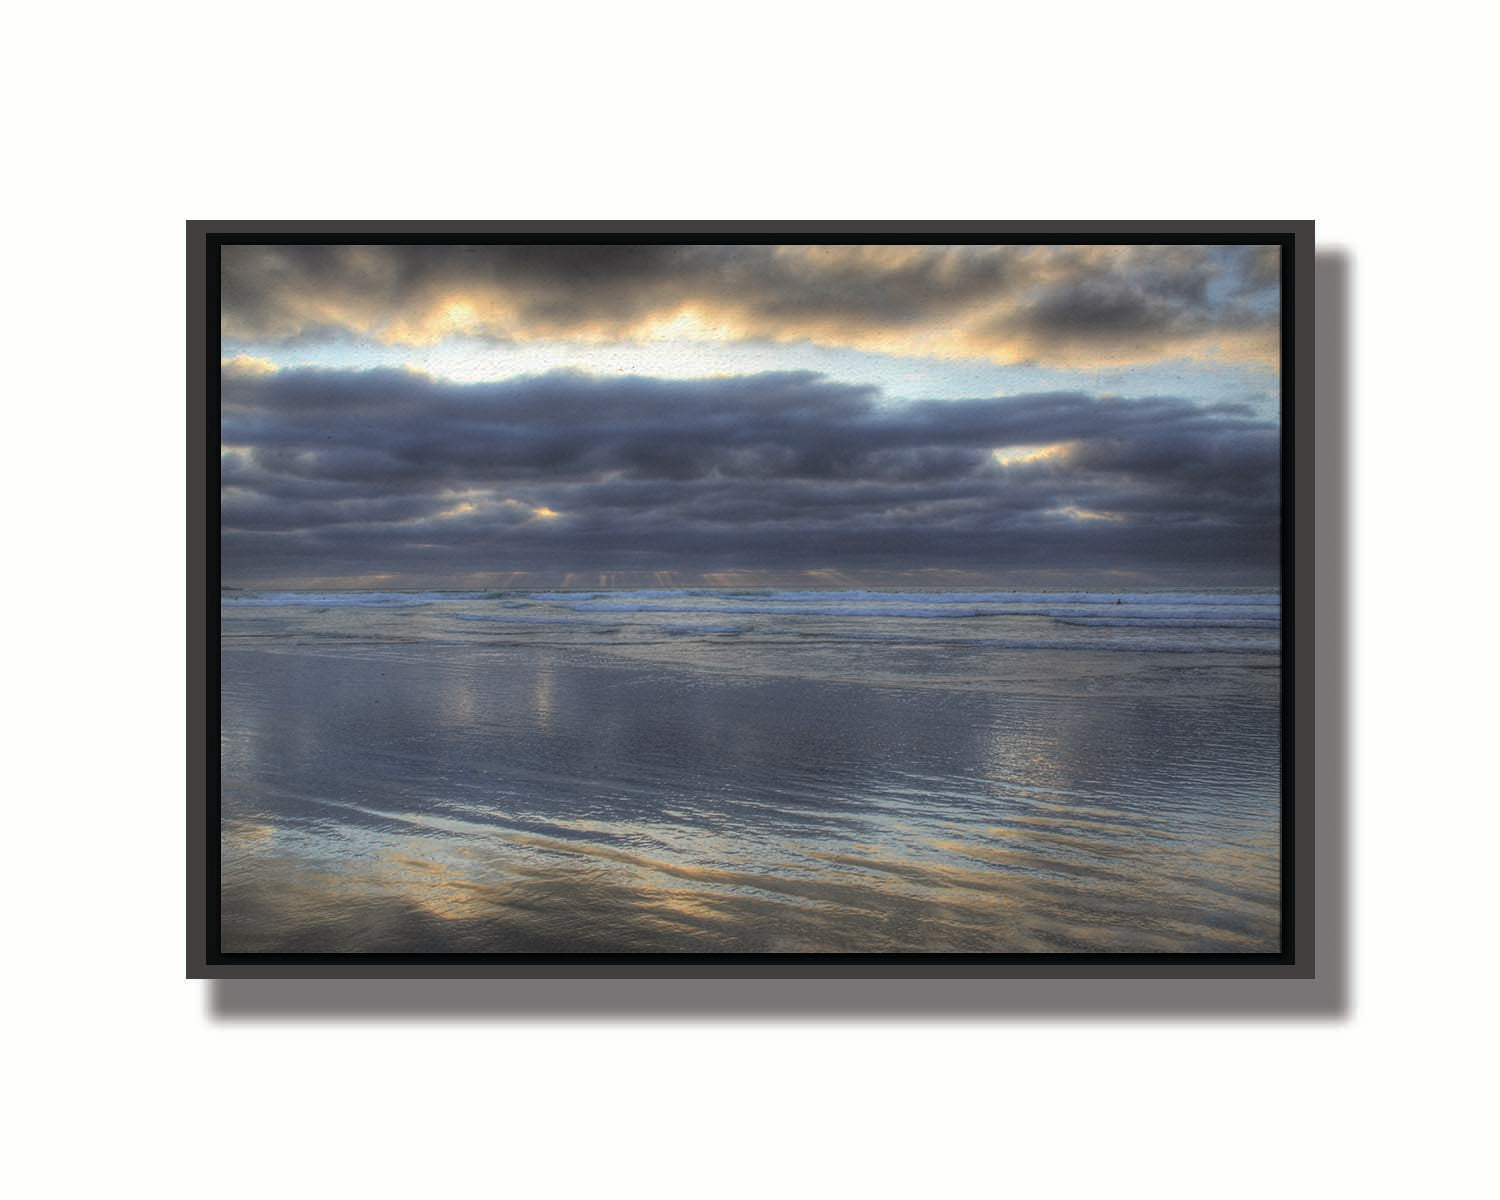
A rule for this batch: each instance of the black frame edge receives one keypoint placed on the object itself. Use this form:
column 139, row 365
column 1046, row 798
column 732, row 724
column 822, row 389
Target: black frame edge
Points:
column 1298, row 960
column 198, row 781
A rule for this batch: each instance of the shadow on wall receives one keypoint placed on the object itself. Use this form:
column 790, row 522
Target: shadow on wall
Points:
column 1326, row 997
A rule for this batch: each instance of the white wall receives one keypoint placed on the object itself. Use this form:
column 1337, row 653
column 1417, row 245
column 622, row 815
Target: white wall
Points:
column 130, row 119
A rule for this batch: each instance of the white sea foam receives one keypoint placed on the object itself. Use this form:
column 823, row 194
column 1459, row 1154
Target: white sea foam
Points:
column 1168, row 622
column 1180, row 610
column 1148, row 622
column 519, row 619
column 822, row 610
column 856, row 596
column 342, row 599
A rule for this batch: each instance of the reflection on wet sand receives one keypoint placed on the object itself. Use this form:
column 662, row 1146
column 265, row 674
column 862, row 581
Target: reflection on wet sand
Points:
column 525, row 893
column 419, row 906
column 530, row 802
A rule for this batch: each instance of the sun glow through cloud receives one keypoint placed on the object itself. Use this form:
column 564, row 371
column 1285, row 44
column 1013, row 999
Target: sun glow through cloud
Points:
column 1013, row 456
column 1074, row 513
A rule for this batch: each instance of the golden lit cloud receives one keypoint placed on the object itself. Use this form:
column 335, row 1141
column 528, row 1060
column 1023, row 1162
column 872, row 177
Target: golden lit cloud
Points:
column 246, row 365
column 1065, row 306
column 1013, row 456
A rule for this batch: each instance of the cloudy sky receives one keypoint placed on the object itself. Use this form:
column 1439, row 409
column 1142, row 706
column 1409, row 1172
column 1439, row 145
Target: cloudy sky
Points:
column 677, row 415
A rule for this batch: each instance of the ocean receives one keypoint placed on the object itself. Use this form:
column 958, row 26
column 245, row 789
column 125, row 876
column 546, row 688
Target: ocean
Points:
column 750, row 771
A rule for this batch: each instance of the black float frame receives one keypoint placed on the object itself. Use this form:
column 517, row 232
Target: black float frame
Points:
column 1297, row 957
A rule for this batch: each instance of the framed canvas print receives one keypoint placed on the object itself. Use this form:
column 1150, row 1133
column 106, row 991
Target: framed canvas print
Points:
column 736, row 598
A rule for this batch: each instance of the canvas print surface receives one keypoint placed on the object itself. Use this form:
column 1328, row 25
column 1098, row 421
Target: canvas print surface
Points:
column 750, row 599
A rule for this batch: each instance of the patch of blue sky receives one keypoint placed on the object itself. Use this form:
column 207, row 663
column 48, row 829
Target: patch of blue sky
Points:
column 898, row 378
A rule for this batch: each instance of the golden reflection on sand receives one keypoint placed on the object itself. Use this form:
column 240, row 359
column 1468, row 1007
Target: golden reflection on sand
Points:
column 515, row 891
column 243, row 836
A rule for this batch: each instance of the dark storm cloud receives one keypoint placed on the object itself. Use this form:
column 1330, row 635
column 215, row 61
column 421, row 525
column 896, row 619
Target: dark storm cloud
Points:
column 389, row 473
column 1059, row 304
column 276, row 291
column 1179, row 297
column 269, row 291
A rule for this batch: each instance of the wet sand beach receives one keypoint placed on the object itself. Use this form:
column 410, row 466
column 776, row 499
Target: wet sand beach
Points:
column 427, row 793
